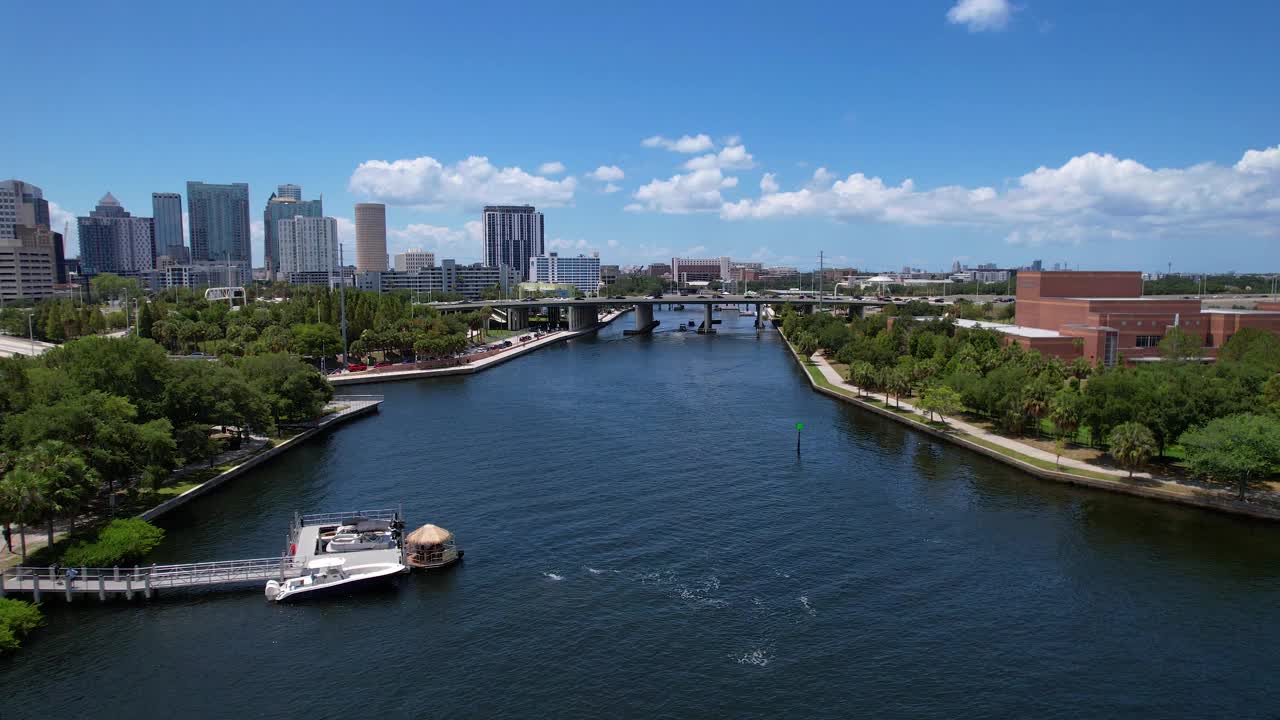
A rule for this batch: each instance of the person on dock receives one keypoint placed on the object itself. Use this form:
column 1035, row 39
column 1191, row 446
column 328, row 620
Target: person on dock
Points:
column 71, row 576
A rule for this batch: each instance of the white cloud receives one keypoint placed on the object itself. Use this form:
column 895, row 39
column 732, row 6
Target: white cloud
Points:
column 694, row 251
column 607, row 173
column 734, row 157
column 684, row 144
column 347, row 232
column 554, row 167
column 613, row 243
column 1090, row 197
column 769, row 183
column 446, row 242
column 698, row 191
column 980, row 15
column 60, row 219
column 467, row 184
column 611, row 188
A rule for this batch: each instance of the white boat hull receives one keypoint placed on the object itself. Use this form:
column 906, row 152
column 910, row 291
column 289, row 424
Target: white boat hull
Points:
column 354, row 578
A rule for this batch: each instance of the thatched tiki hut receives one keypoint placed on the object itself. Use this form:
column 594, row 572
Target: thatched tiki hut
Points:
column 431, row 546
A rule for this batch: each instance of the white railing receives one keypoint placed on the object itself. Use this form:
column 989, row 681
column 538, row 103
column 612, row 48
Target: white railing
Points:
column 152, row 576
column 336, row 518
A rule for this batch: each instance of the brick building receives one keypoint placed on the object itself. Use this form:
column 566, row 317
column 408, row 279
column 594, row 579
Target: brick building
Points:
column 1103, row 316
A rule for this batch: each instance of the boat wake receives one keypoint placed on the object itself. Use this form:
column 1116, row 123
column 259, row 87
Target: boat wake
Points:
column 552, row 576
column 757, row 657
column 804, row 601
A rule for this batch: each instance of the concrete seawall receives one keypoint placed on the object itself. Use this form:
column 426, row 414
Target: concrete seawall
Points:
column 365, row 407
column 1205, row 501
column 472, row 367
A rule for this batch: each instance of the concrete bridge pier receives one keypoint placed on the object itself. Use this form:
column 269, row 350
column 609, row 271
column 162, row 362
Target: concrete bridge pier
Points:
column 759, row 316
column 583, row 317
column 644, row 320
column 517, row 318
column 708, row 320
column 553, row 317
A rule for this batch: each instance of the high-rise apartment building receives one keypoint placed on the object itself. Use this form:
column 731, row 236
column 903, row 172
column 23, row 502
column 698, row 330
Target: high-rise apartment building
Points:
column 371, row 237
column 413, row 260
column 582, row 272
column 219, row 217
column 512, row 235
column 166, row 211
column 284, row 204
column 308, row 245
column 114, row 241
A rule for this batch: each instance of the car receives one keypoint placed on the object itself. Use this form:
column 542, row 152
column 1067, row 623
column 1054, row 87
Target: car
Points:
column 358, row 367
column 619, row 297
column 529, row 300
column 506, row 343
column 718, row 296
column 656, row 296
column 939, row 300
column 384, row 363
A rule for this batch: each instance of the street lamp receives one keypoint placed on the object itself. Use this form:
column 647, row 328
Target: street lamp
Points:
column 31, row 333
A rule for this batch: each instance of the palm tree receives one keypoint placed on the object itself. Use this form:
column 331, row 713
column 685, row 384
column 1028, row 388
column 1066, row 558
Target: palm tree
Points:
column 897, row 383
column 21, row 501
column 1132, row 444
column 64, row 478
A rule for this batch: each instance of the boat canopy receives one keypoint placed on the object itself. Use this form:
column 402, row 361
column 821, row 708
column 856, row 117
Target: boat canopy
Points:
column 325, row 562
column 429, row 535
column 361, row 525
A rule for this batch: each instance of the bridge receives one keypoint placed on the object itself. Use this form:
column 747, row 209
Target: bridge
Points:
column 304, row 541
column 584, row 312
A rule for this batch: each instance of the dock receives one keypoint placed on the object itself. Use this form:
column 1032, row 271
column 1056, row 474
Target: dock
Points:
column 304, row 545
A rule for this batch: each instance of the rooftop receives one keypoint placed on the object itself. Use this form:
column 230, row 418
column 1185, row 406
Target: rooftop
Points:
column 1233, row 311
column 1018, row 330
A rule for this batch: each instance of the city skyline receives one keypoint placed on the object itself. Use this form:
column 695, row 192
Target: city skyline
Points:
column 973, row 131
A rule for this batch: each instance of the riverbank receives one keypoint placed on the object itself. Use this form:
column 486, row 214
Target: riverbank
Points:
column 374, row 376
column 341, row 410
column 824, row 379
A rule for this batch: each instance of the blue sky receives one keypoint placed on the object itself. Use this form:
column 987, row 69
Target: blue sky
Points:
column 1102, row 134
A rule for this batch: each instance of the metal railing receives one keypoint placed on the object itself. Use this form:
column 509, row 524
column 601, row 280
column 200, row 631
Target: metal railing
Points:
column 336, row 518
column 370, row 398
column 87, row 579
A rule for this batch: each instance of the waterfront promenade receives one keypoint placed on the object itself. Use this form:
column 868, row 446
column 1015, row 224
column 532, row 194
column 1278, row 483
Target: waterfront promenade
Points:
column 825, row 379
column 516, row 350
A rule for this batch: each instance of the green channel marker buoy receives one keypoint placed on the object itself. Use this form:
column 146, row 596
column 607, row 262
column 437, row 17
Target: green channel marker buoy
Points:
column 799, row 427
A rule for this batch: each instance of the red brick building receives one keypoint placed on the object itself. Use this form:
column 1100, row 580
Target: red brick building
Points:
column 1104, row 316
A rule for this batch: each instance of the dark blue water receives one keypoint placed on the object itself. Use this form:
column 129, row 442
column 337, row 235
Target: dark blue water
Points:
column 642, row 541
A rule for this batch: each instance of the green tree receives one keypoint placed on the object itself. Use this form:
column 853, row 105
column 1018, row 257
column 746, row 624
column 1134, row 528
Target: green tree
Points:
column 22, row 502
column 1237, row 449
column 17, row 618
column 114, row 287
column 1131, row 444
column 292, row 390
column 1179, row 346
column 940, row 399
column 65, row 480
column 316, row 340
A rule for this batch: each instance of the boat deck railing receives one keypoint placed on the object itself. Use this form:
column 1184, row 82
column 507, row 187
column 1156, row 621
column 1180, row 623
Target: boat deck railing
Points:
column 336, row 518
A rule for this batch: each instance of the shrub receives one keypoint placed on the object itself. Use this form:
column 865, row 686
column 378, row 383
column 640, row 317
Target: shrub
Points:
column 119, row 542
column 17, row 618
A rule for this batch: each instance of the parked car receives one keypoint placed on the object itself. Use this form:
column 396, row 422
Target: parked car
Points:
column 718, row 296
column 384, row 363
column 357, row 367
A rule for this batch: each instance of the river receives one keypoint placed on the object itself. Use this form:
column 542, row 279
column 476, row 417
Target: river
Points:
column 643, row 541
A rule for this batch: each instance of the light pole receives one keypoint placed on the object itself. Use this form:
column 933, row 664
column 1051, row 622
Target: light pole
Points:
column 31, row 333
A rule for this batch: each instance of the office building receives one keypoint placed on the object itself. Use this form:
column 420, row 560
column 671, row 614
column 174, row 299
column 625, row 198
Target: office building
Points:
column 284, row 204
column 166, row 211
column 469, row 281
column 413, row 260
column 609, row 274
column 30, row 253
column 512, row 235
column 308, row 245
column 219, row 217
column 659, row 270
column 1104, row 317
column 371, row 237
column 700, row 269
column 21, row 203
column 114, row 241
column 582, row 272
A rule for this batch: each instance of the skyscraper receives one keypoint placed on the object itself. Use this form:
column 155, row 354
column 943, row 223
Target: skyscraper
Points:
column 371, row 237
column 512, row 235
column 286, row 203
column 308, row 245
column 166, row 210
column 219, row 217
column 112, row 240
column 29, row 251
column 21, row 203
